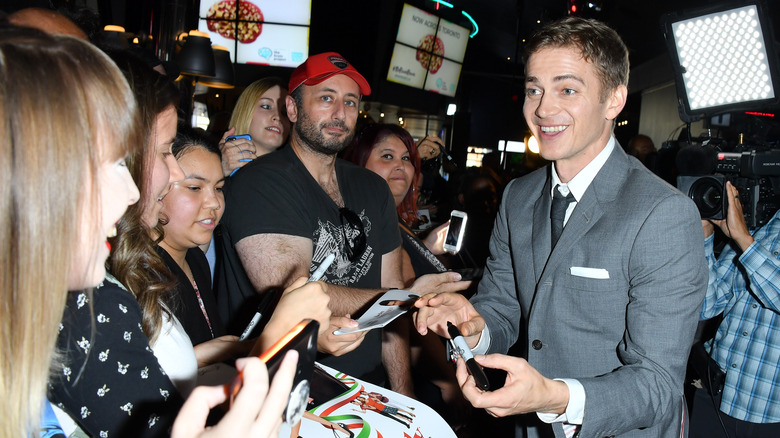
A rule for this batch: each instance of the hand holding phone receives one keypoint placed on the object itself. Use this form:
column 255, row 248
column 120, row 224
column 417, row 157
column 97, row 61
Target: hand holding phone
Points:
column 243, row 160
column 302, row 338
column 455, row 231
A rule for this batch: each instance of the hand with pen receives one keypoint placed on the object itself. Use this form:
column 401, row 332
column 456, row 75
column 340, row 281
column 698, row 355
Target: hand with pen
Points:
column 236, row 153
column 299, row 301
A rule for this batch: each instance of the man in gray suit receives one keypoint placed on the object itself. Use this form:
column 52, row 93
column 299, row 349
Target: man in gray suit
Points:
column 605, row 317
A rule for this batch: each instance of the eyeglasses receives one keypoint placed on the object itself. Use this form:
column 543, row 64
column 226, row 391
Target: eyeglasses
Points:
column 354, row 234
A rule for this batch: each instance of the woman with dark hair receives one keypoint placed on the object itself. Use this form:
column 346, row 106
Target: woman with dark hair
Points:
column 389, row 151
column 192, row 210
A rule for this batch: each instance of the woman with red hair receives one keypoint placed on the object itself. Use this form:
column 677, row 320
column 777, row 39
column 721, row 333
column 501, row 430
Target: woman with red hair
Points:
column 389, row 151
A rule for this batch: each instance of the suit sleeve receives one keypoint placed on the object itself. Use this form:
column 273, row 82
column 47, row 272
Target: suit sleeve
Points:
column 496, row 299
column 667, row 281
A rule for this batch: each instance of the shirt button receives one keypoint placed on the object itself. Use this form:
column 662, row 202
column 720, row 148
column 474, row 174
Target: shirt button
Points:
column 733, row 365
column 755, row 305
column 776, row 253
column 744, row 333
column 537, row 344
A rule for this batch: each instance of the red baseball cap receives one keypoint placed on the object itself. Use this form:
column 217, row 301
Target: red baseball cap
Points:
column 319, row 67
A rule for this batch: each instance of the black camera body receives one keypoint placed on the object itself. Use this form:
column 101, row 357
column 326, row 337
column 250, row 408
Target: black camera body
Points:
column 753, row 172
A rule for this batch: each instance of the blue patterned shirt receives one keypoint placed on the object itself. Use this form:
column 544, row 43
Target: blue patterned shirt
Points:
column 746, row 289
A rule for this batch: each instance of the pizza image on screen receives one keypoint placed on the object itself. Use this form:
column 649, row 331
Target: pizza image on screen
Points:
column 424, row 48
column 222, row 15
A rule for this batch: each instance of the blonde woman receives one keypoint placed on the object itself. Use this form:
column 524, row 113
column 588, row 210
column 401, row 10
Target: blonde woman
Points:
column 64, row 186
column 259, row 112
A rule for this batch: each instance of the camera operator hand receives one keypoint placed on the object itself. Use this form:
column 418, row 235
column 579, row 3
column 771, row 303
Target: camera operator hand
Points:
column 734, row 225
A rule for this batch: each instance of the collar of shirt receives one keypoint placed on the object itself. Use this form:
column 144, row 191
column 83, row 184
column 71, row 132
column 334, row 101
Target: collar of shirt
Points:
column 580, row 183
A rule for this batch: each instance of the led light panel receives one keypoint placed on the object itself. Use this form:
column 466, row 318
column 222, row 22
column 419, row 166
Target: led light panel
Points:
column 721, row 60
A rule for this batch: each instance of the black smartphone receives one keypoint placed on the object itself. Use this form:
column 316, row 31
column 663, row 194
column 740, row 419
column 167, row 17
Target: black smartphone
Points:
column 303, row 338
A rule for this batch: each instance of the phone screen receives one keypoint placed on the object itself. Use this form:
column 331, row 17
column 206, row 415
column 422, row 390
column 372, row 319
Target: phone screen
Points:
column 455, row 232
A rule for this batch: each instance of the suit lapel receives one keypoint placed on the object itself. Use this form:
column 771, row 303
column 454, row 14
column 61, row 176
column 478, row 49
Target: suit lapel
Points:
column 604, row 188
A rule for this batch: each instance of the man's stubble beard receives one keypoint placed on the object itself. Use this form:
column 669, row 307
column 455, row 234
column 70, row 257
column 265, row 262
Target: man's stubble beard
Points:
column 312, row 135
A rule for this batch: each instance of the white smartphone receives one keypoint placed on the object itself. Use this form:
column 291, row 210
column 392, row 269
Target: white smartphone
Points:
column 455, row 231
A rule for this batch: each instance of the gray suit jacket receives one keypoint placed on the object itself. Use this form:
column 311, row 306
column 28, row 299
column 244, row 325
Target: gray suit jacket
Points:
column 626, row 338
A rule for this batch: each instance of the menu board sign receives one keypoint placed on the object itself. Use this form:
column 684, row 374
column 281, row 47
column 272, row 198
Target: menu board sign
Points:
column 428, row 52
column 265, row 32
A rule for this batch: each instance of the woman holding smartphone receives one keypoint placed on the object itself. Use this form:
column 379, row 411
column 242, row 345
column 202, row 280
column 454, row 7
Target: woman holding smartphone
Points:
column 128, row 362
column 259, row 114
column 58, row 209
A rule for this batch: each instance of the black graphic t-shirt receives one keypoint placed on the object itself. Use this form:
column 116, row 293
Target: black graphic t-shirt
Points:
column 276, row 194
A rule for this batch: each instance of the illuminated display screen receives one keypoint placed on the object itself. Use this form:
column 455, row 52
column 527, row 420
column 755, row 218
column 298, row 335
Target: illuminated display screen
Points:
column 428, row 52
column 266, row 32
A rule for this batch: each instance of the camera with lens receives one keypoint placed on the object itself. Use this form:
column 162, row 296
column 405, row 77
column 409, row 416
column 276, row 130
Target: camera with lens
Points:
column 754, row 171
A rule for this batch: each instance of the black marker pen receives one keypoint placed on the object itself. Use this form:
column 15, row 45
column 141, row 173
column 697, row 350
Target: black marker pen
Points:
column 459, row 344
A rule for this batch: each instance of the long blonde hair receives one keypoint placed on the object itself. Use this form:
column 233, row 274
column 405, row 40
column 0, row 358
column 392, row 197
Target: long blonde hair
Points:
column 245, row 106
column 59, row 98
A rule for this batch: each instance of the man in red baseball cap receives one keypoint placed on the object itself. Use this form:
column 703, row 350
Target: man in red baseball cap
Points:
column 320, row 67
column 287, row 211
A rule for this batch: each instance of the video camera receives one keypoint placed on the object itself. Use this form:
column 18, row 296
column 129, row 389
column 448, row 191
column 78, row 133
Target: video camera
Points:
column 754, row 171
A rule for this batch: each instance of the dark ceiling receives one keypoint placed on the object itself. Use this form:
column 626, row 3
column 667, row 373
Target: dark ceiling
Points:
column 490, row 88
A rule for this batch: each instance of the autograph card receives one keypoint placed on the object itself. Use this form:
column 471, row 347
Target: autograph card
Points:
column 385, row 309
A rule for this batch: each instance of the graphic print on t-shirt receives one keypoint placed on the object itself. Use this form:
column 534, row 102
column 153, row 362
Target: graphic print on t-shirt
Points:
column 329, row 239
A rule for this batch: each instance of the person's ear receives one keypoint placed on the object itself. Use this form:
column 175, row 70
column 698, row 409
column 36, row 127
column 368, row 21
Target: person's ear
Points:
column 292, row 109
column 616, row 101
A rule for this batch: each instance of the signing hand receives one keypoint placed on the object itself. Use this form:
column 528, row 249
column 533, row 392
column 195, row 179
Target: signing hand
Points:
column 525, row 390
column 256, row 411
column 235, row 153
column 436, row 309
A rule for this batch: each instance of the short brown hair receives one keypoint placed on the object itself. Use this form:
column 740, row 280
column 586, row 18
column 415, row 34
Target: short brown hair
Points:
column 599, row 44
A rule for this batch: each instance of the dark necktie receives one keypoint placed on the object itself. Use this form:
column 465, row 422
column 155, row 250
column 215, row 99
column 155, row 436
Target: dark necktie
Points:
column 557, row 213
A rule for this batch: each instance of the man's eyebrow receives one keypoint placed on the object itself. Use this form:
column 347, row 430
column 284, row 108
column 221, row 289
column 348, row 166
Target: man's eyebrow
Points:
column 331, row 90
column 559, row 78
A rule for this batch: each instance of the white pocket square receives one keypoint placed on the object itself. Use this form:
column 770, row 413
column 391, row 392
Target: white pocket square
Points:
column 597, row 273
